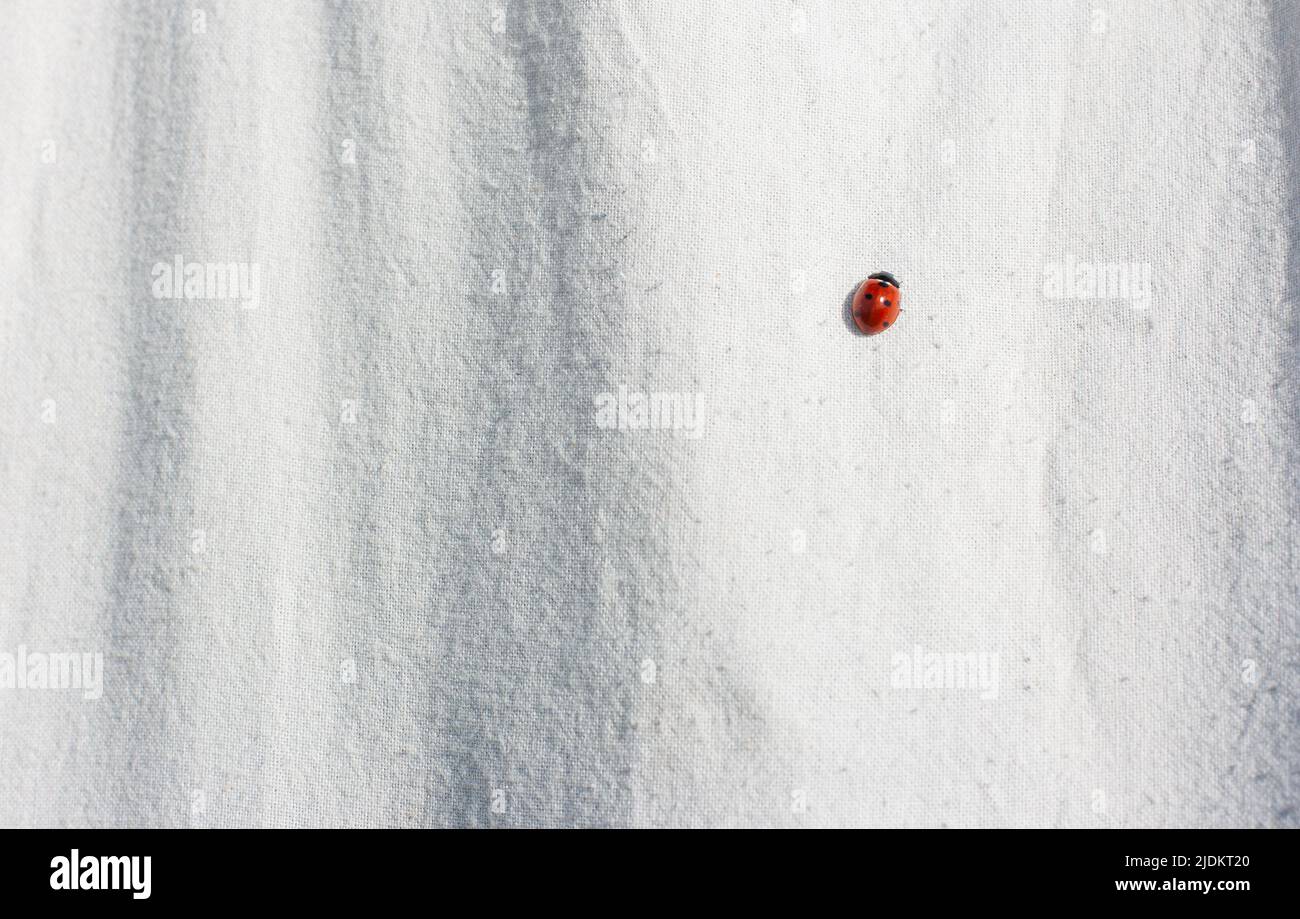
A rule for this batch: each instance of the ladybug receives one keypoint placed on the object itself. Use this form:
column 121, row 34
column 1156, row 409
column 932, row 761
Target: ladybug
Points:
column 875, row 303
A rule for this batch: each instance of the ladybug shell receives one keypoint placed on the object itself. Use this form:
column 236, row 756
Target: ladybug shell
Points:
column 875, row 306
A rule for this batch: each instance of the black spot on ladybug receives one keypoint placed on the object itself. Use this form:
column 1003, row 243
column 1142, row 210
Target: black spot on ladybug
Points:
column 886, row 302
column 871, row 296
column 886, row 323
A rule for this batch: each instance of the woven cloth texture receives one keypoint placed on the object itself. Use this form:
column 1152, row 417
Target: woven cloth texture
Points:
column 447, row 414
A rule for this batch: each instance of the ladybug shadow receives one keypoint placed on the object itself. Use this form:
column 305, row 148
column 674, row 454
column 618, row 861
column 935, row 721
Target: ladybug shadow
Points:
column 847, row 312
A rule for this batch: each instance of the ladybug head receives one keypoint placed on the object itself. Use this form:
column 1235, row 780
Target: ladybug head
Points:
column 885, row 278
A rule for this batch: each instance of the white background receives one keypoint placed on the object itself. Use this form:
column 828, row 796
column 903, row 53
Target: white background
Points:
column 395, row 463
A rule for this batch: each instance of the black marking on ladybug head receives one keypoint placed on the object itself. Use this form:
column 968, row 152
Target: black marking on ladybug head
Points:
column 884, row 276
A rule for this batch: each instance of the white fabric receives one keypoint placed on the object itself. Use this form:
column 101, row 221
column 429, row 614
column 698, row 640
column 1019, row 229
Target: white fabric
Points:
column 471, row 220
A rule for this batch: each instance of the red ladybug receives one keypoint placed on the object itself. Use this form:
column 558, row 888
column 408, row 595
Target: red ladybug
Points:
column 875, row 303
